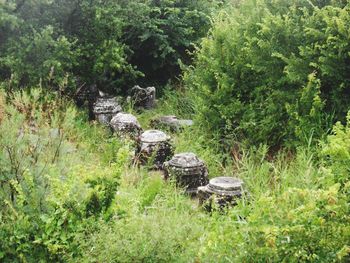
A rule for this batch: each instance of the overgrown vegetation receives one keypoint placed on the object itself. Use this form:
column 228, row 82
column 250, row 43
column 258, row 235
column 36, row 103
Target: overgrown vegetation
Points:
column 275, row 73
column 69, row 195
column 268, row 91
column 113, row 44
column 53, row 177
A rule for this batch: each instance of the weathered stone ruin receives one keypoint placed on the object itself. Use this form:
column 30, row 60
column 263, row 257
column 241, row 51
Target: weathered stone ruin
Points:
column 105, row 108
column 165, row 122
column 185, row 123
column 144, row 97
column 154, row 146
column 221, row 192
column 126, row 125
column 170, row 122
column 187, row 170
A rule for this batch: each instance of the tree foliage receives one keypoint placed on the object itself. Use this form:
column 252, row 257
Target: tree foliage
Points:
column 274, row 72
column 113, row 44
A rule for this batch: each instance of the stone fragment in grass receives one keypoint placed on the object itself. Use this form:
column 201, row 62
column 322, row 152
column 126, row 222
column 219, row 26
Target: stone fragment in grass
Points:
column 105, row 108
column 125, row 124
column 154, row 147
column 221, row 192
column 187, row 170
column 170, row 122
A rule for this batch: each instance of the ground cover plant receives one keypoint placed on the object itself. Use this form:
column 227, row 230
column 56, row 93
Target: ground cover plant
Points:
column 298, row 207
column 297, row 212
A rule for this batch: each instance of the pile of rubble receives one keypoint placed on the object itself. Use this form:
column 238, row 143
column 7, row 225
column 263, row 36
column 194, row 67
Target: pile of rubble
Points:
column 171, row 123
column 143, row 97
column 187, row 170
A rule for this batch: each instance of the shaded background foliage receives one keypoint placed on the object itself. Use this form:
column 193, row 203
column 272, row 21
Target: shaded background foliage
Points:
column 117, row 43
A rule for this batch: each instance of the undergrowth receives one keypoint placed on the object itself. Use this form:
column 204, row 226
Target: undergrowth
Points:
column 71, row 193
column 266, row 86
column 296, row 210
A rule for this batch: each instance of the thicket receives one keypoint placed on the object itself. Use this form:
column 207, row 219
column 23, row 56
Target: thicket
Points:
column 113, row 44
column 57, row 176
column 274, row 72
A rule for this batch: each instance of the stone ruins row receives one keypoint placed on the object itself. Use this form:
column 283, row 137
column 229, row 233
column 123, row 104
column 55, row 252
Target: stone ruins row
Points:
column 154, row 148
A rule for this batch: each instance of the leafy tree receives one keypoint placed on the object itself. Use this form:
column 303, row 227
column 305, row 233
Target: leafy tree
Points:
column 41, row 58
column 274, row 72
column 160, row 33
column 114, row 44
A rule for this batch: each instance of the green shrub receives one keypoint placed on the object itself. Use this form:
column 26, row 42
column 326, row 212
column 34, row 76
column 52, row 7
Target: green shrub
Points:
column 295, row 213
column 143, row 238
column 40, row 57
column 275, row 73
column 336, row 153
column 50, row 184
column 160, row 33
column 152, row 224
column 300, row 225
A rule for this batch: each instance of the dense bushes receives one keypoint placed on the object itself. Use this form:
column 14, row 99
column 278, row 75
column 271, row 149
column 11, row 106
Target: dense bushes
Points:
column 161, row 33
column 41, row 58
column 275, row 73
column 110, row 43
column 337, row 153
column 47, row 193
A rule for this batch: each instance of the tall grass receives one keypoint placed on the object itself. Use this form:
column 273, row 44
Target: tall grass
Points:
column 92, row 205
column 291, row 213
column 294, row 212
